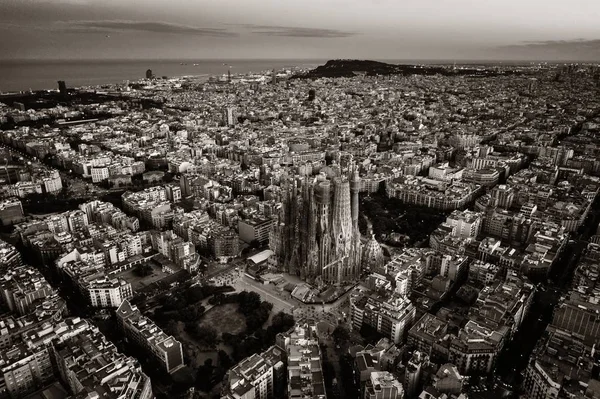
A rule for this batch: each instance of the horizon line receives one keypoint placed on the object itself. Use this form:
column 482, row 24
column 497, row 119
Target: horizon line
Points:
column 185, row 59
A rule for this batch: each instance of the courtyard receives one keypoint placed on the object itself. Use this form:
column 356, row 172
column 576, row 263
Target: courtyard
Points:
column 138, row 283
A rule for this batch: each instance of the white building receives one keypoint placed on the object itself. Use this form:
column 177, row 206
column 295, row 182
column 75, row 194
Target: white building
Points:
column 108, row 293
column 100, row 174
column 467, row 224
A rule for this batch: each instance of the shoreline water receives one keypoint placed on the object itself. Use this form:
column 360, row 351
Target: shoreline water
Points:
column 22, row 75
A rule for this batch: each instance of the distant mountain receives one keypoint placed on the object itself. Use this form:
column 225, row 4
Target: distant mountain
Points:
column 350, row 68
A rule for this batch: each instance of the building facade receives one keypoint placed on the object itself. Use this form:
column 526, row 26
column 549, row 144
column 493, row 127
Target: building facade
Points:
column 167, row 351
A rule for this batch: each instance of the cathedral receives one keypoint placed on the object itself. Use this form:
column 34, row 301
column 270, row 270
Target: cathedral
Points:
column 316, row 235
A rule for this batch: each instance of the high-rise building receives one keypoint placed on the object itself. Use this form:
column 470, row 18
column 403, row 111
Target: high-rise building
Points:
column 305, row 372
column 229, row 116
column 316, row 235
column 21, row 287
column 10, row 257
column 255, row 229
column 502, row 196
column 28, row 365
column 90, row 366
column 476, row 348
column 413, row 373
column 467, row 224
column 77, row 220
column 562, row 366
column 25, row 370
column 165, row 349
column 62, row 87
column 390, row 314
column 107, row 292
column 429, row 336
column 11, row 211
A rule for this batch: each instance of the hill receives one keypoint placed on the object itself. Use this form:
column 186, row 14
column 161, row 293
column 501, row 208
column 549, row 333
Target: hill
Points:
column 350, row 68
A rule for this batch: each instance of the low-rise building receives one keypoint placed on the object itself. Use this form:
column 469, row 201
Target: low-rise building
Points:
column 448, row 380
column 561, row 367
column 476, row 348
column 430, row 336
column 88, row 364
column 417, row 190
column 21, row 287
column 305, row 371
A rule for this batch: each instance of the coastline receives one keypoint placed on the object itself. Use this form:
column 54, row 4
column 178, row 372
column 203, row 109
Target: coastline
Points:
column 23, row 75
column 39, row 74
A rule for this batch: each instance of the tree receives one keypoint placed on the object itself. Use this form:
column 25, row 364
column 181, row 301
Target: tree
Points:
column 194, row 294
column 205, row 335
column 204, row 378
column 248, row 302
column 183, row 379
column 257, row 316
column 282, row 322
column 168, row 177
column 268, row 306
column 172, row 328
column 191, row 313
column 229, row 339
column 143, row 270
column 217, row 299
column 340, row 334
column 172, row 302
column 224, row 360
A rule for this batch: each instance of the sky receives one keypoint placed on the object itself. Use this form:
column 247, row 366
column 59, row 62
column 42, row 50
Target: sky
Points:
column 301, row 29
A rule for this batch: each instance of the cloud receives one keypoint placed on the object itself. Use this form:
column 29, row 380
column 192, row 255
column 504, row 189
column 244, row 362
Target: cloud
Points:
column 142, row 26
column 557, row 45
column 289, row 31
column 573, row 50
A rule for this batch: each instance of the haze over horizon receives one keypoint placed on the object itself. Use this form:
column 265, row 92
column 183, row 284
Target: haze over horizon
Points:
column 308, row 29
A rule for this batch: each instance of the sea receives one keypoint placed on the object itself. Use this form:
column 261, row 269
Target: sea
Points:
column 22, row 75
